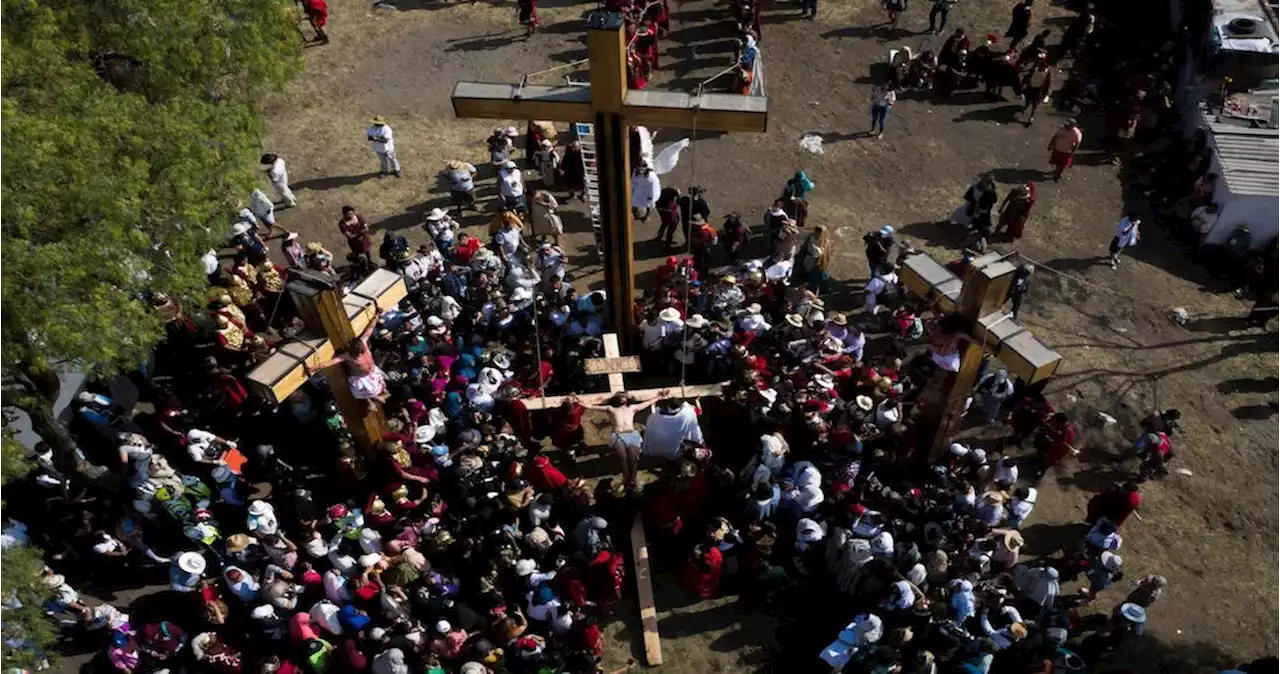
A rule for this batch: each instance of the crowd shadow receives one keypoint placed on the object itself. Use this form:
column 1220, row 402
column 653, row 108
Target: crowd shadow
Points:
column 332, row 182
column 1259, row 412
column 937, row 233
column 1017, row 175
column 1005, row 114
column 1249, row 385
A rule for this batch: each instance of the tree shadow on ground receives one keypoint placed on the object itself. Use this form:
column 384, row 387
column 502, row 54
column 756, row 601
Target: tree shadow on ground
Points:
column 1043, row 540
column 1259, row 412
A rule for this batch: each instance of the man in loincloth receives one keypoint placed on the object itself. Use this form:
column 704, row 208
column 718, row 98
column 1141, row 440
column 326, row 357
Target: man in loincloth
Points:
column 366, row 379
column 626, row 440
column 1062, row 147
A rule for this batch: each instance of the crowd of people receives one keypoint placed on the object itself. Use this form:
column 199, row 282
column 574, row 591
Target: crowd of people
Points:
column 464, row 539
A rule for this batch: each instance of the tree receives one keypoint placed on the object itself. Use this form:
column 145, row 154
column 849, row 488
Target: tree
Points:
column 28, row 634
column 130, row 131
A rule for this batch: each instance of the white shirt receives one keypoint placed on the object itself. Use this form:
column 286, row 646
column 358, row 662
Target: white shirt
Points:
column 278, row 174
column 210, row 262
column 1022, row 508
column 199, row 442
column 645, row 189
column 382, row 139
column 461, row 181
column 543, row 612
column 260, row 204
column 511, row 183
column 883, row 96
column 755, row 324
column 108, row 544
column 508, row 240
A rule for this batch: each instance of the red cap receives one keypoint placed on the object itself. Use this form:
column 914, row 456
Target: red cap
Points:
column 991, row 37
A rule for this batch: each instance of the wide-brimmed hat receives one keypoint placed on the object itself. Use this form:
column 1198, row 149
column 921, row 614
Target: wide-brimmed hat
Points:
column 258, row 508
column 824, row 382
column 291, row 236
column 795, row 320
column 521, row 294
column 545, row 143
column 526, row 567
column 424, row 434
column 754, row 308
column 239, row 228
column 54, row 580
column 670, row 315
column 508, row 164
column 379, row 120
column 993, row 497
column 511, row 131
column 729, row 279
column 501, row 361
column 437, row 214
column 192, row 562
column 696, row 321
column 237, row 542
column 770, row 396
column 864, row 403
column 838, row 318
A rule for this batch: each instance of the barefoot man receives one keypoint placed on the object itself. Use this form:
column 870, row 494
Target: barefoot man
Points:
column 366, row 379
column 625, row 438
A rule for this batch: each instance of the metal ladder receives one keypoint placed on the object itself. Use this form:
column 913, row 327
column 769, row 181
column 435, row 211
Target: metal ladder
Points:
column 587, row 139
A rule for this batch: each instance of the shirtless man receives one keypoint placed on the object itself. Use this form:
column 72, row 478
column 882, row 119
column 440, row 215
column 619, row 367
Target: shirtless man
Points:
column 626, row 439
column 366, row 379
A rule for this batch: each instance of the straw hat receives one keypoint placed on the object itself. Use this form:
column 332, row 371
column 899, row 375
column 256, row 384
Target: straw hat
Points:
column 754, row 309
column 258, row 508
column 864, row 403
column 379, row 120
column 237, row 543
column 824, row 382
column 192, row 562
column 670, row 315
column 437, row 214
column 696, row 321
column 838, row 318
column 795, row 321
column 240, row 228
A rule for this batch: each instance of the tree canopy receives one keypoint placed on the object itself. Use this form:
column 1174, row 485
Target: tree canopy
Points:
column 28, row 635
column 130, row 131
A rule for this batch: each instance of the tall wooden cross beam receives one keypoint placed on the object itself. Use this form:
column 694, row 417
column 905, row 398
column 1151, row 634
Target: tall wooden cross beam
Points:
column 612, row 108
column 333, row 318
column 978, row 298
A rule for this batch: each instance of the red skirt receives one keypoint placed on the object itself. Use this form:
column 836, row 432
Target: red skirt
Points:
column 1061, row 160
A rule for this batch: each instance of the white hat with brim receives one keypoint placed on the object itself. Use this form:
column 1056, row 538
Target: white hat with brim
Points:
column 669, row 315
column 754, row 308
column 240, row 228
column 192, row 562
column 696, row 321
column 864, row 403
column 501, row 361
column 54, row 580
column 258, row 508
column 795, row 320
column 424, row 434
column 508, row 164
column 824, row 382
column 526, row 567
column 769, row 395
column 521, row 294
column 437, row 214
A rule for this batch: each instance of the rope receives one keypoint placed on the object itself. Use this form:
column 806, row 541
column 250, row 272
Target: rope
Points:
column 688, row 239
column 1077, row 279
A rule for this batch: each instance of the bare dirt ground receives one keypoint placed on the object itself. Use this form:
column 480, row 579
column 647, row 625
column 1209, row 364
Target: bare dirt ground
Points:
column 1213, row 534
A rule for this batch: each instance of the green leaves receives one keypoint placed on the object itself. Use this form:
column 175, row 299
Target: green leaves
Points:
column 130, row 132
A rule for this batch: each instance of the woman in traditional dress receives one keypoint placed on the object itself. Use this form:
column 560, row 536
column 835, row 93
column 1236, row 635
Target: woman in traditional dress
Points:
column 1016, row 208
column 573, row 171
column 528, row 15
column 548, row 162
column 701, row 573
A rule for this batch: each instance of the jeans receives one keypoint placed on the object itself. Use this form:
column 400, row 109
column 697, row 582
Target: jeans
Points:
column 388, row 162
column 938, row 11
column 809, row 8
column 879, row 113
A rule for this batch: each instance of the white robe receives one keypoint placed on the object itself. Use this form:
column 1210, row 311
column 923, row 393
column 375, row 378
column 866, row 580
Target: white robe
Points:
column 664, row 433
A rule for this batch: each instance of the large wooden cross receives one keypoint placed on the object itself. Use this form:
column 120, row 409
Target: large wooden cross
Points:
column 333, row 318
column 978, row 298
column 612, row 108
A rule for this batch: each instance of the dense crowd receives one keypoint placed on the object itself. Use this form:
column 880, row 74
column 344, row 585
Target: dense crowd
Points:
column 466, row 541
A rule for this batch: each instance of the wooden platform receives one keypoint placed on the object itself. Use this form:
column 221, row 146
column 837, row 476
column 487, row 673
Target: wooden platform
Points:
column 644, row 593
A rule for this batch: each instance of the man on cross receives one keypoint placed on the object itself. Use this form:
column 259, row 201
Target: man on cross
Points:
column 625, row 439
column 366, row 379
